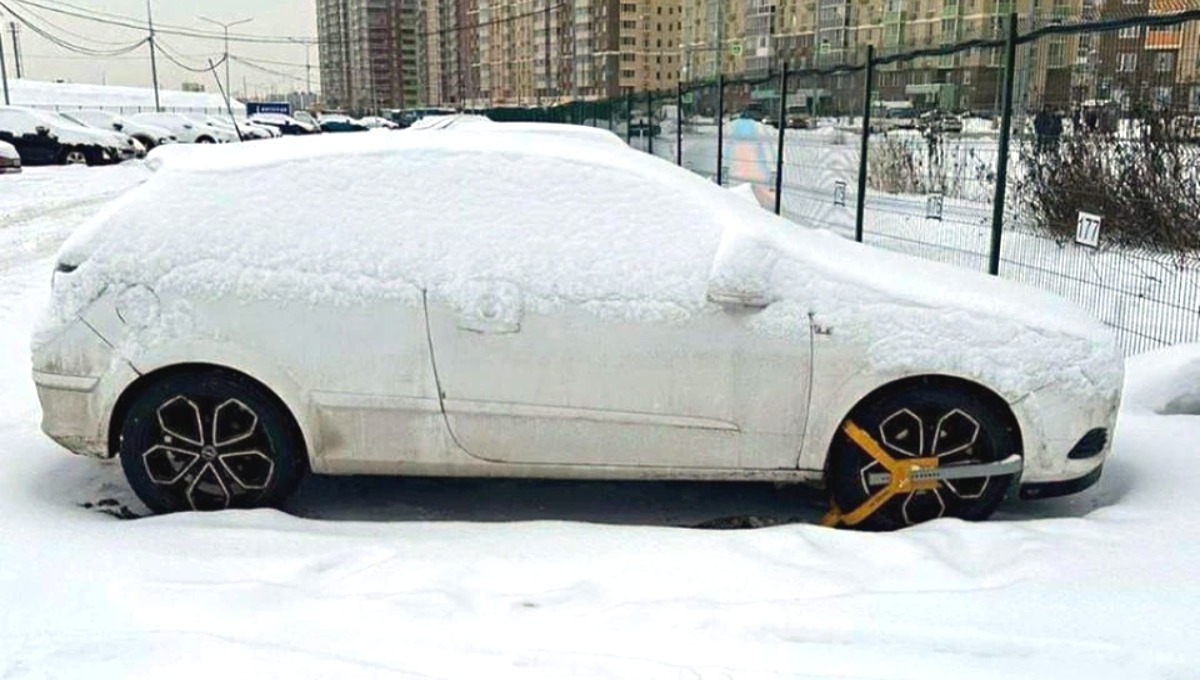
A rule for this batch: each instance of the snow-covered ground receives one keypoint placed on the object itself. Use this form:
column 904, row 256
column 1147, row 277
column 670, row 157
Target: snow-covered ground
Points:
column 367, row 578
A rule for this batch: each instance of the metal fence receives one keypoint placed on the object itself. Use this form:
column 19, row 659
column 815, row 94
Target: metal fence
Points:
column 1071, row 161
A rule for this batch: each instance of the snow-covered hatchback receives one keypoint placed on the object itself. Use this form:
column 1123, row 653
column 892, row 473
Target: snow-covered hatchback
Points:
column 487, row 302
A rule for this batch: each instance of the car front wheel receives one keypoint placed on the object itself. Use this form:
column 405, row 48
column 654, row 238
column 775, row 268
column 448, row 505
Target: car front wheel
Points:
column 932, row 424
column 210, row 440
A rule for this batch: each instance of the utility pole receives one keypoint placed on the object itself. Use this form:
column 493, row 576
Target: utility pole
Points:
column 153, row 58
column 16, row 33
column 227, row 26
column 4, row 74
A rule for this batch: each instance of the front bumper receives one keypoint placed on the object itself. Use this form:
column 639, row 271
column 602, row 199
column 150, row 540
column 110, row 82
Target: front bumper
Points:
column 1062, row 488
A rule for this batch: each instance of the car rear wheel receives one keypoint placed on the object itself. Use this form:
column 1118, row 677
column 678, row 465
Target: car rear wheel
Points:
column 950, row 422
column 74, row 156
column 210, row 440
column 206, row 140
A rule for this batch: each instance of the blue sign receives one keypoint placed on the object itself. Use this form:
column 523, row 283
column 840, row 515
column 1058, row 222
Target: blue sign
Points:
column 268, row 107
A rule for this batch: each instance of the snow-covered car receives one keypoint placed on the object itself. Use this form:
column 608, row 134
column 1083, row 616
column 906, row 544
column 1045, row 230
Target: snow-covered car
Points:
column 148, row 135
column 537, row 305
column 186, row 130
column 127, row 147
column 44, row 138
column 336, row 122
column 375, row 123
column 10, row 160
column 229, row 131
column 285, row 124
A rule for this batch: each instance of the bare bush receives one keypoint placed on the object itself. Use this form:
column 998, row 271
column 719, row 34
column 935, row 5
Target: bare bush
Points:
column 931, row 164
column 1140, row 176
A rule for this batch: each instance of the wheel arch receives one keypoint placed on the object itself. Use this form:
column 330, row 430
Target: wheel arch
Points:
column 289, row 402
column 992, row 399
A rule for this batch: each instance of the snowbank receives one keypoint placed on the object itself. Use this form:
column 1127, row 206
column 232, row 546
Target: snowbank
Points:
column 66, row 96
column 1166, row 382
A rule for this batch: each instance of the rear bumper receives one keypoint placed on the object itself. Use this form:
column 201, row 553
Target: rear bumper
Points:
column 1061, row 488
column 70, row 413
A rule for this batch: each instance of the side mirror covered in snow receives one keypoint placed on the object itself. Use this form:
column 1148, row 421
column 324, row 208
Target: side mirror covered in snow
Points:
column 741, row 272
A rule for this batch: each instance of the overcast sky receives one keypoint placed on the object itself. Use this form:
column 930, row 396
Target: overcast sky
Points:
column 44, row 60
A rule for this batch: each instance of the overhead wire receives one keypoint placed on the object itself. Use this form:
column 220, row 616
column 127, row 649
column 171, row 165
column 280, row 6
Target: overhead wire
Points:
column 67, row 44
column 136, row 23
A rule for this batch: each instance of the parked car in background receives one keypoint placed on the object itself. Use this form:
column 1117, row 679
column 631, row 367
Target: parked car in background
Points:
column 43, row 138
column 938, row 121
column 799, row 117
column 10, row 160
column 459, row 323
column 286, row 125
column 127, row 146
column 308, row 118
column 148, row 135
column 186, row 130
column 336, row 122
column 271, row 132
column 888, row 116
column 375, row 122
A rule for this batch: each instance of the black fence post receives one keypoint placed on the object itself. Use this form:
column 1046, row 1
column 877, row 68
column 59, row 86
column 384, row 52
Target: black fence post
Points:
column 629, row 118
column 679, row 123
column 1010, row 69
column 860, row 210
column 782, row 123
column 720, row 126
column 649, row 123
column 612, row 106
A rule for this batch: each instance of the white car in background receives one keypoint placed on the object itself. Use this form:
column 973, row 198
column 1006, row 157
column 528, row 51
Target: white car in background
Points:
column 376, row 123
column 185, row 129
column 227, row 127
column 526, row 304
column 148, row 135
column 10, row 160
column 286, row 125
column 69, row 142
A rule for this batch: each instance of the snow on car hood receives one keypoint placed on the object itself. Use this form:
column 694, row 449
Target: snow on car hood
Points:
column 523, row 189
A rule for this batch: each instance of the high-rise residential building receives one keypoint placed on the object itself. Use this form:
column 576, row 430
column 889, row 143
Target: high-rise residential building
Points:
column 711, row 38
column 369, row 54
column 479, row 53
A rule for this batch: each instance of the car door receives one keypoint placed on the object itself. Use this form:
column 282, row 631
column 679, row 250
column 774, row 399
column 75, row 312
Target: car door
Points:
column 578, row 332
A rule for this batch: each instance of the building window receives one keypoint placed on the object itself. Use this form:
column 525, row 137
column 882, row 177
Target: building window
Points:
column 1164, row 62
column 1130, row 32
column 1126, row 63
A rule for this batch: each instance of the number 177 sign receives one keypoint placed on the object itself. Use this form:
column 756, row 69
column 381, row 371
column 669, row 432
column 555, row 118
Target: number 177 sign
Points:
column 1087, row 229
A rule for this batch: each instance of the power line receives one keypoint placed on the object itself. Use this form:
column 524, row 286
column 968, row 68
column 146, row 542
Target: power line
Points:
column 135, row 23
column 257, row 67
column 68, row 45
column 170, row 55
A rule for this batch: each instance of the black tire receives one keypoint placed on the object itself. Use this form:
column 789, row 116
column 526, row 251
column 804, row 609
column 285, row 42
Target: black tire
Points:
column 71, row 155
column 934, row 411
column 205, row 140
column 210, row 440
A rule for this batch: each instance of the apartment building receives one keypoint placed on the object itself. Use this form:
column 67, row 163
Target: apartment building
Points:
column 479, row 53
column 1151, row 67
column 712, row 38
column 369, row 54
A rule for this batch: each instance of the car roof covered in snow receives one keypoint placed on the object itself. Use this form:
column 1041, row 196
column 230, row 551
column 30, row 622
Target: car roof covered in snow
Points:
column 570, row 217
